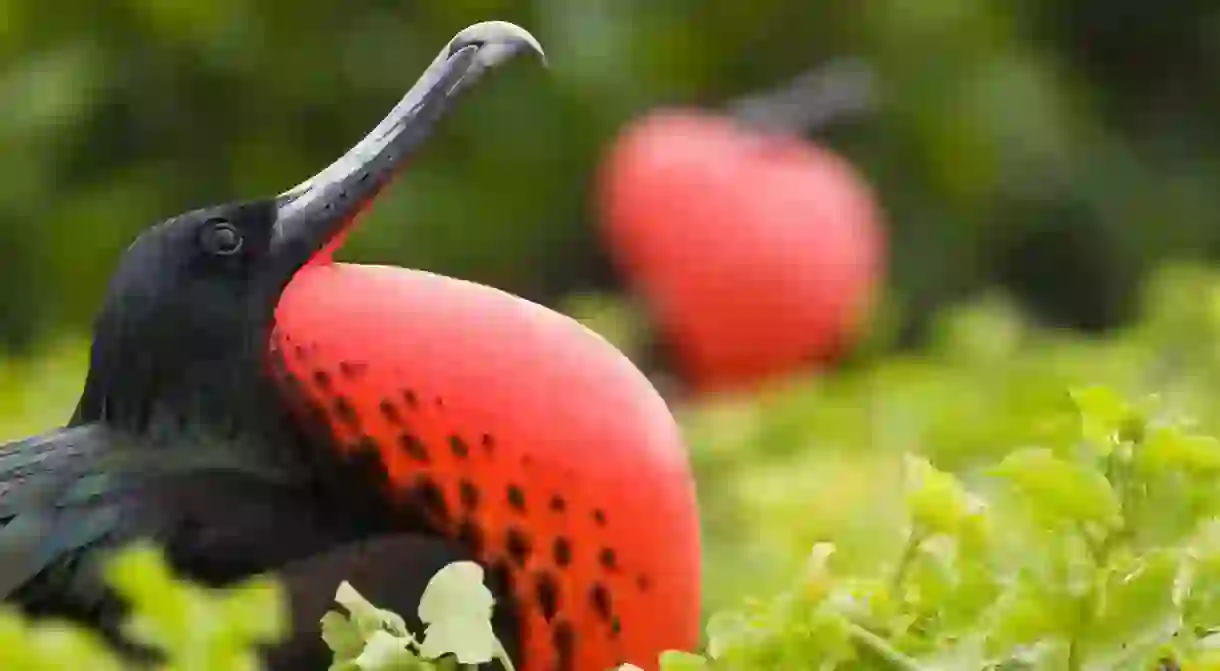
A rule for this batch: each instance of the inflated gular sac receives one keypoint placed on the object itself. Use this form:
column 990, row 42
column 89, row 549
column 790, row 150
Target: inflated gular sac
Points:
column 756, row 255
column 518, row 432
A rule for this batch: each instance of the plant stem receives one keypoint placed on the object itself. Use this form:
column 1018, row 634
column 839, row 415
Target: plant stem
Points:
column 879, row 648
column 1074, row 660
column 1099, row 551
column 906, row 559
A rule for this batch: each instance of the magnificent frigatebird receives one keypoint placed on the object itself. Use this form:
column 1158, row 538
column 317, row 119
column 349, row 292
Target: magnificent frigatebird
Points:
column 253, row 406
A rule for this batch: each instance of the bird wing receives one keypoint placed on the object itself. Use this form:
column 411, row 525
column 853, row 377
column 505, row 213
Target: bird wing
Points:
column 68, row 493
column 73, row 490
column 37, row 478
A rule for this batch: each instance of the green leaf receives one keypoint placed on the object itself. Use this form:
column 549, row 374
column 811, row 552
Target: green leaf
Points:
column 367, row 617
column 818, row 578
column 470, row 640
column 1105, row 418
column 52, row 645
column 384, row 651
column 1200, row 595
column 672, row 660
column 1169, row 448
column 1031, row 612
column 937, row 501
column 457, row 590
column 1060, row 490
column 456, row 607
column 727, row 631
column 342, row 636
column 257, row 610
column 1136, row 612
column 164, row 613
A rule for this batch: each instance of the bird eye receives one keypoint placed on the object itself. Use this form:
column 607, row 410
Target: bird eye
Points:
column 220, row 238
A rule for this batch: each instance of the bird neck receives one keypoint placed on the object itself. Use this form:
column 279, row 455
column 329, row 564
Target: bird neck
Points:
column 141, row 390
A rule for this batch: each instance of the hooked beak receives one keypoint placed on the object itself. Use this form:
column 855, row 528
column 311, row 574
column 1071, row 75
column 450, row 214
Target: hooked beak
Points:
column 311, row 217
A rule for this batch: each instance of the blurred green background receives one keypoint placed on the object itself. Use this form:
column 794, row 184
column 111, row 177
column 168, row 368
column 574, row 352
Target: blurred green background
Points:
column 1060, row 147
column 1063, row 150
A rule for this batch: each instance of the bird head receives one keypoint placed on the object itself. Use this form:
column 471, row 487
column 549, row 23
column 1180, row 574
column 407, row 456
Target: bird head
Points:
column 506, row 427
column 185, row 322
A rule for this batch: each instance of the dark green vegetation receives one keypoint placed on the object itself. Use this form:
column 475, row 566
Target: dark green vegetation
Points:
column 1061, row 145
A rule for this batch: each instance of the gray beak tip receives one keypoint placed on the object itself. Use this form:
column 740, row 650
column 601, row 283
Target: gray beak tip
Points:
column 498, row 41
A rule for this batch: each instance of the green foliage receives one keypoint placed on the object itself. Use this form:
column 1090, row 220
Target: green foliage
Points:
column 456, row 610
column 1007, row 493
column 196, row 629
column 821, row 457
column 1051, row 561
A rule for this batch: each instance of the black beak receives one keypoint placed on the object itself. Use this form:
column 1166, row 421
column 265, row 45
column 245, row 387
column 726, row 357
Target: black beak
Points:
column 313, row 214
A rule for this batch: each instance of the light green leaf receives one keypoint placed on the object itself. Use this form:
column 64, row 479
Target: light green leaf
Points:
column 164, row 612
column 818, row 578
column 726, row 630
column 937, row 501
column 470, row 640
column 1169, row 448
column 1060, row 490
column 367, row 617
column 672, row 660
column 456, row 590
column 456, row 607
column 1136, row 613
column 342, row 636
column 256, row 610
column 1105, row 418
column 384, row 651
column 1030, row 613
